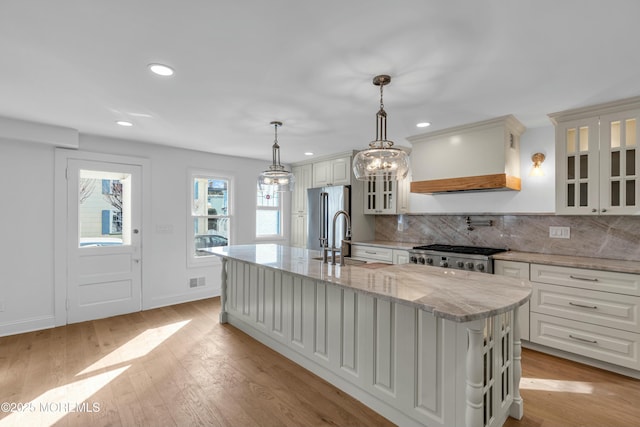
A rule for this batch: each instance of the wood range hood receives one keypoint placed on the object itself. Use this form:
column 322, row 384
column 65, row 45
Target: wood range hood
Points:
column 482, row 156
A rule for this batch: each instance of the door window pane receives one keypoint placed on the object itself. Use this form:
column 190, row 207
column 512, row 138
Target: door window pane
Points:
column 631, row 162
column 615, row 163
column 615, row 193
column 584, row 138
column 571, row 167
column 631, row 133
column 571, row 195
column 615, row 135
column 584, row 166
column 631, row 192
column 104, row 208
column 571, row 140
column 584, row 194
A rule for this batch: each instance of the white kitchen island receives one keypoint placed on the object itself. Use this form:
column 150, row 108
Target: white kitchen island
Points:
column 420, row 345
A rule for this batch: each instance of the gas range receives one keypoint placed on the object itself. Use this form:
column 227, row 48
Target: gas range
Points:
column 471, row 258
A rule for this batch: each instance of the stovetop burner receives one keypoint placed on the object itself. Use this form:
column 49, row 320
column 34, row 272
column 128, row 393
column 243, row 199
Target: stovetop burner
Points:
column 468, row 250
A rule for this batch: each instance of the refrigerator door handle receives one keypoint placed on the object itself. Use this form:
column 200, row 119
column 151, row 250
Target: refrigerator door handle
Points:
column 324, row 218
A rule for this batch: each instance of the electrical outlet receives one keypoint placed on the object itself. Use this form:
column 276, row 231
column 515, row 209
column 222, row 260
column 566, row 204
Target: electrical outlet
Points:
column 196, row 282
column 560, row 232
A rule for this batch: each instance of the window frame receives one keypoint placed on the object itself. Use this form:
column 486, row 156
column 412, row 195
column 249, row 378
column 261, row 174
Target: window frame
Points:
column 192, row 259
column 279, row 209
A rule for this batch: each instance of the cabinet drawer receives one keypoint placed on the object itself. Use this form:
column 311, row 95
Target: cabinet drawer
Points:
column 372, row 253
column 608, row 281
column 599, row 308
column 609, row 345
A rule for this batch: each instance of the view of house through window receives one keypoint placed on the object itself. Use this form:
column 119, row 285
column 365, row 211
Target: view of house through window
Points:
column 210, row 214
column 268, row 214
column 104, row 208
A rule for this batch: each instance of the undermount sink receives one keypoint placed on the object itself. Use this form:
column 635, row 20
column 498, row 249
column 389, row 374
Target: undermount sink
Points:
column 347, row 260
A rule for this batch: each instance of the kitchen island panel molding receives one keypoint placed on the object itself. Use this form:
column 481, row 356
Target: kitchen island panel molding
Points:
column 411, row 366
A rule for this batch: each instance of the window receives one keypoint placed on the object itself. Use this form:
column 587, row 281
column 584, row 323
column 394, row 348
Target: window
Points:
column 268, row 215
column 104, row 208
column 210, row 214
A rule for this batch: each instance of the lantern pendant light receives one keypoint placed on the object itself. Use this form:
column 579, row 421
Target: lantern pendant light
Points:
column 276, row 178
column 381, row 160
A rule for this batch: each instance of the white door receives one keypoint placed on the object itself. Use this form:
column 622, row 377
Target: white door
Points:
column 103, row 250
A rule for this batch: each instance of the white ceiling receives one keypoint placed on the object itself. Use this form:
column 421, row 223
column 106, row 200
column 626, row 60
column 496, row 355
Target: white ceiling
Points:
column 241, row 64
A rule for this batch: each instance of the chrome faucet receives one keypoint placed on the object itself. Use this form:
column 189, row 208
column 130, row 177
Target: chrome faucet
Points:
column 346, row 239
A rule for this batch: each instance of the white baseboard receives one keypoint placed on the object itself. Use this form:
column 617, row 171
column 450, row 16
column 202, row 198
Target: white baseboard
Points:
column 27, row 325
column 582, row 359
column 181, row 298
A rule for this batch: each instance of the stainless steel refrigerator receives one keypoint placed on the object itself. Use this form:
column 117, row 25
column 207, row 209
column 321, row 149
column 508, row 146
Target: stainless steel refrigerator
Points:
column 337, row 198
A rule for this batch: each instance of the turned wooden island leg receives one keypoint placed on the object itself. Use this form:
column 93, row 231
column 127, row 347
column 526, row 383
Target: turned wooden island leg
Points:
column 223, row 291
column 517, row 407
column 474, row 392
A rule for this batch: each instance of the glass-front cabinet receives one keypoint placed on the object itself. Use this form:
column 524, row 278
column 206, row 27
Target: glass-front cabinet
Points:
column 384, row 196
column 597, row 159
column 619, row 163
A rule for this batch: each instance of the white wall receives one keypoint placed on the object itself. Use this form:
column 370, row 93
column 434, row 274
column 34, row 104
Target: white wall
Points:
column 536, row 196
column 26, row 236
column 27, row 220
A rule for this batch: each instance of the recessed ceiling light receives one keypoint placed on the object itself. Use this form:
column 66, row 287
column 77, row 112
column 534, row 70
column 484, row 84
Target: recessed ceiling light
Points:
column 161, row 70
column 308, row 153
column 124, row 123
column 423, row 124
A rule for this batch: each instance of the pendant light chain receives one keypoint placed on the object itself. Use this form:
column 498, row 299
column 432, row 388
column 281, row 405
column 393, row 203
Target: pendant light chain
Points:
column 276, row 147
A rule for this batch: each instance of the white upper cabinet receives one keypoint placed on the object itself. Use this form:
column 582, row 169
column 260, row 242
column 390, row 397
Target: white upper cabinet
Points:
column 332, row 172
column 597, row 159
column 303, row 182
column 299, row 205
column 389, row 197
column 619, row 162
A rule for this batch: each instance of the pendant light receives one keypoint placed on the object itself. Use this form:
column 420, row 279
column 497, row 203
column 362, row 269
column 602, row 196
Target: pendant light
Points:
column 381, row 160
column 276, row 178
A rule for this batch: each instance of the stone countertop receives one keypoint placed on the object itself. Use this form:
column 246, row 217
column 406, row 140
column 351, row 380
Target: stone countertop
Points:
column 456, row 295
column 604, row 264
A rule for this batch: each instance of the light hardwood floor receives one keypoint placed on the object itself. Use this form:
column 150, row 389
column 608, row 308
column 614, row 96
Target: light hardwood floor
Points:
column 177, row 366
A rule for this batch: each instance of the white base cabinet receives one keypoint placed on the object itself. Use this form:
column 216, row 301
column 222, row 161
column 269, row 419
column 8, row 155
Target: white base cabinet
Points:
column 372, row 253
column 588, row 312
column 410, row 366
column 299, row 230
column 519, row 270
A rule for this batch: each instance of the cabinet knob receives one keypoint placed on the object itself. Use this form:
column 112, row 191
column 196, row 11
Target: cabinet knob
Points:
column 593, row 210
column 604, row 210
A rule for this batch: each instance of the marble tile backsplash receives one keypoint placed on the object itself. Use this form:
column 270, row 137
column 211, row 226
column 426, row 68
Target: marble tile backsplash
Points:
column 616, row 237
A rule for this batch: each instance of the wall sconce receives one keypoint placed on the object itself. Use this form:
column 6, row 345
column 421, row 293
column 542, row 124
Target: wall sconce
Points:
column 537, row 160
